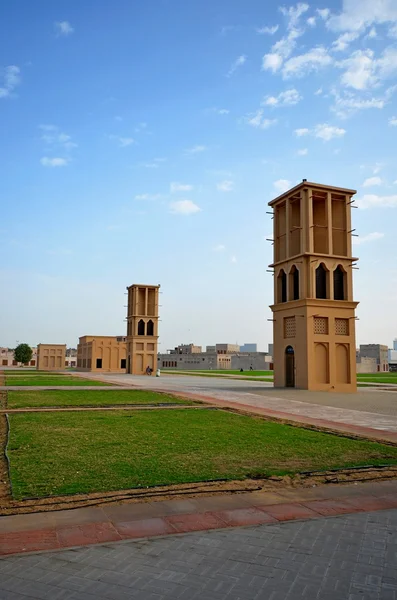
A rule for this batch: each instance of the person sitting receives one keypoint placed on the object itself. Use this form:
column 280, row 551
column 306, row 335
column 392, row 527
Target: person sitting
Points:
column 148, row 370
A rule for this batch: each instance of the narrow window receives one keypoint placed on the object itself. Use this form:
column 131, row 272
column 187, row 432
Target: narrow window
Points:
column 282, row 286
column 321, row 282
column 123, row 363
column 141, row 327
column 150, row 328
column 99, row 363
column 339, row 284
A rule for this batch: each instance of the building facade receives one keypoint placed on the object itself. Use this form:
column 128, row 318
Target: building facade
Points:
column 186, row 349
column 51, row 357
column 7, row 358
column 249, row 348
column 102, row 353
column 142, row 328
column 378, row 351
column 258, row 361
column 366, row 365
column 314, row 309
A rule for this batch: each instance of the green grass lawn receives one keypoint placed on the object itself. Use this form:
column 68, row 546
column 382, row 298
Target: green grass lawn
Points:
column 66, row 453
column 377, row 377
column 55, row 380
column 83, row 397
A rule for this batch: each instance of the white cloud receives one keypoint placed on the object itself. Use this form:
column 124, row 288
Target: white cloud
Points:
column 370, row 237
column 184, row 207
column 52, row 136
column 313, row 60
column 258, row 120
column 311, row 21
column 393, row 121
column 63, row 28
column 359, row 73
column 148, row 196
column 54, row 162
column 363, row 70
column 372, row 33
column 371, row 181
column 343, row 41
column 302, row 131
column 318, row 92
column 180, row 187
column 268, row 30
column 284, row 47
column 219, row 111
column 282, row 185
column 349, row 103
column 375, row 201
column 287, row 98
column 219, row 248
column 154, row 164
column 225, row 186
column 328, row 132
column 323, row 13
column 239, row 62
column 196, row 149
column 125, row 141
column 272, row 62
column 233, row 259
column 356, row 15
column 322, row 131
column 11, row 79
column 302, row 152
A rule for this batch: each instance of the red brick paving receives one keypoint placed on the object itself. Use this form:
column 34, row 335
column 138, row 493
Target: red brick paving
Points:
column 96, row 525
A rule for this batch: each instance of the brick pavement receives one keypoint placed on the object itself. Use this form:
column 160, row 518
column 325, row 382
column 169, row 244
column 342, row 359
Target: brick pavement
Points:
column 350, row 557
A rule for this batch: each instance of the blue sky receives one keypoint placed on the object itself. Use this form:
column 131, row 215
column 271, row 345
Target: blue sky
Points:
column 141, row 142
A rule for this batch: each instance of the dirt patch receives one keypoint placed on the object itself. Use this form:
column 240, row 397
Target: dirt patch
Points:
column 194, row 490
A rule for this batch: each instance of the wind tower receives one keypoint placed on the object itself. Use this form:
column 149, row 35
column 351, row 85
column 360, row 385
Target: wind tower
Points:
column 313, row 310
column 142, row 328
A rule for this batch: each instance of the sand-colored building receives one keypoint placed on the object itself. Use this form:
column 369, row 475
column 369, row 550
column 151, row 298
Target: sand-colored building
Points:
column 50, row 357
column 102, row 353
column 142, row 328
column 314, row 309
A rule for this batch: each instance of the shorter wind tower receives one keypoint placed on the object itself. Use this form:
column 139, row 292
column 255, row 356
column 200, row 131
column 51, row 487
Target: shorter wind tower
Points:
column 142, row 328
column 313, row 310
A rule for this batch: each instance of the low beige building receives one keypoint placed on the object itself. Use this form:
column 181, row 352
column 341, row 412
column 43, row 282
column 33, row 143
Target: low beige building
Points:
column 51, row 357
column 102, row 353
column 366, row 364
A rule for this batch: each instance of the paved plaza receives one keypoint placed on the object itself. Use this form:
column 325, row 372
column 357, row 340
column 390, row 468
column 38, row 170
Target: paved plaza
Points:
column 336, row 558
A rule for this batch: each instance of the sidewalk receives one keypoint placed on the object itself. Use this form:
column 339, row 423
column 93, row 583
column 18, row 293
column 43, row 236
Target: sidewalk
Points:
column 116, row 522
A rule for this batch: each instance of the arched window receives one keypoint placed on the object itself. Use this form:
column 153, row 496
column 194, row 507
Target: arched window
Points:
column 141, row 327
column 150, row 328
column 321, row 282
column 293, row 288
column 339, row 283
column 282, row 286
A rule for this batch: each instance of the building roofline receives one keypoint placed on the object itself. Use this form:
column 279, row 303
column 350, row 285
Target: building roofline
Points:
column 145, row 285
column 311, row 184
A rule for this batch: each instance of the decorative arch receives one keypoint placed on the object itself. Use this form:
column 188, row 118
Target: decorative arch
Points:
column 340, row 291
column 282, row 286
column 150, row 327
column 322, row 281
column 141, row 327
column 293, row 283
column 342, row 363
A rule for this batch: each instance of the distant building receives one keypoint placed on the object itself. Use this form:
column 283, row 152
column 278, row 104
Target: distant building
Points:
column 210, row 349
column 270, row 349
column 186, row 349
column 395, row 344
column 7, row 358
column 51, row 357
column 259, row 361
column 377, row 351
column 99, row 353
column 227, row 348
column 249, row 348
column 392, row 356
column 366, row 364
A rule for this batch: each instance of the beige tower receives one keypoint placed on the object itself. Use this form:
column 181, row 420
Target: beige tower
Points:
column 142, row 328
column 313, row 310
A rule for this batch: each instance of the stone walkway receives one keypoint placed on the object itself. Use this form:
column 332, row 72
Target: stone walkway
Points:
column 340, row 558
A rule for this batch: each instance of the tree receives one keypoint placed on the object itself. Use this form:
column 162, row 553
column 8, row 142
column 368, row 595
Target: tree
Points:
column 23, row 353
